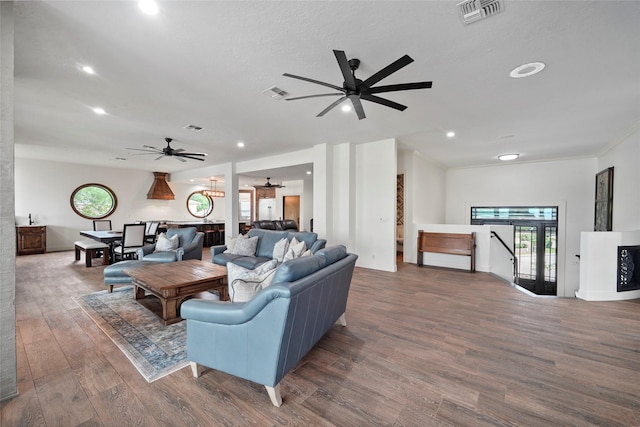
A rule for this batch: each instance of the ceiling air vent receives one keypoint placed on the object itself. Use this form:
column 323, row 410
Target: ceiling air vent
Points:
column 275, row 92
column 193, row 127
column 475, row 10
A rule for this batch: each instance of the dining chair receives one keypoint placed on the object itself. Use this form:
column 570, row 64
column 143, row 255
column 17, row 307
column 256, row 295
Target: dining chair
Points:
column 101, row 225
column 132, row 238
column 151, row 231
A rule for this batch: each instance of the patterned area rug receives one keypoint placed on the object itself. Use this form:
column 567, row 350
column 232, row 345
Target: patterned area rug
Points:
column 154, row 349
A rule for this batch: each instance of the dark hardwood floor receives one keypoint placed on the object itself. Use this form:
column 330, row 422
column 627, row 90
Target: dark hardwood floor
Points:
column 423, row 347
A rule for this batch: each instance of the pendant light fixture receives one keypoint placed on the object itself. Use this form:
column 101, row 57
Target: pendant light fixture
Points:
column 211, row 192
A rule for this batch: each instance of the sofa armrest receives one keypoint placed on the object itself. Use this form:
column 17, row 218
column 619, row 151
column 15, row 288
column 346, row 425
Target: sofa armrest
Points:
column 226, row 313
column 217, row 249
column 145, row 250
column 191, row 251
column 317, row 245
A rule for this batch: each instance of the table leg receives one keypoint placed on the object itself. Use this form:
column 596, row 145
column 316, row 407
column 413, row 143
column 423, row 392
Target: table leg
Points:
column 138, row 292
column 169, row 311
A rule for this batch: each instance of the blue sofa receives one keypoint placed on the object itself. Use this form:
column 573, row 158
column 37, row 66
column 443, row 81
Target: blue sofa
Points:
column 263, row 339
column 264, row 252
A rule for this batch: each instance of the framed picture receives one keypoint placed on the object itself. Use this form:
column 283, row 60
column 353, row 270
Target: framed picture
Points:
column 604, row 200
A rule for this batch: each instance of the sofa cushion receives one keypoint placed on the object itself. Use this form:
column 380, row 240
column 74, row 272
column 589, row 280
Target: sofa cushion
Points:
column 166, row 256
column 165, row 243
column 332, row 254
column 185, row 235
column 245, row 247
column 294, row 269
column 268, row 240
column 224, row 258
column 250, row 262
column 245, row 283
column 280, row 249
column 307, row 237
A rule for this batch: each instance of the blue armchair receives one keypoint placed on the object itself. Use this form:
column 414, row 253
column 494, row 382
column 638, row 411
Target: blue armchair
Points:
column 189, row 247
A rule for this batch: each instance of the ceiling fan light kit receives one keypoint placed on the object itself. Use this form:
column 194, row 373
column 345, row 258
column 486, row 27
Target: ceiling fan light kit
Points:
column 356, row 90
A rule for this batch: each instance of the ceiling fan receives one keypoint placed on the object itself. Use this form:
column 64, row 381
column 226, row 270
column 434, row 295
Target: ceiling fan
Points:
column 355, row 89
column 178, row 153
column 270, row 185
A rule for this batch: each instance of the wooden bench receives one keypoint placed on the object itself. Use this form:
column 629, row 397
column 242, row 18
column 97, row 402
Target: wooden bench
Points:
column 448, row 243
column 92, row 249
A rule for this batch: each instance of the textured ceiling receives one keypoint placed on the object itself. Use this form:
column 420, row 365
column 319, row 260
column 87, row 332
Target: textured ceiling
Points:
column 207, row 64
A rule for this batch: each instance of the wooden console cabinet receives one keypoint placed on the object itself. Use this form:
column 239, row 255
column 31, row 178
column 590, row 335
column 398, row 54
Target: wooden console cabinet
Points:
column 31, row 239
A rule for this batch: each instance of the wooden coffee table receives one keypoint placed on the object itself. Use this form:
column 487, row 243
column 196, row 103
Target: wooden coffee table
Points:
column 173, row 282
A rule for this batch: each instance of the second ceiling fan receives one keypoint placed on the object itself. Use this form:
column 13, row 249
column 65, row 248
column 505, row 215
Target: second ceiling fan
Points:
column 355, row 89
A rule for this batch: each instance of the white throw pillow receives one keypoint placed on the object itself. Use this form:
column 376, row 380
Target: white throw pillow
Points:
column 296, row 249
column 164, row 244
column 245, row 247
column 245, row 283
column 280, row 249
column 231, row 243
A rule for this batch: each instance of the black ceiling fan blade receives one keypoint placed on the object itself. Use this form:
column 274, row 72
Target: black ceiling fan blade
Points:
column 314, row 96
column 156, row 151
column 331, row 107
column 357, row 106
column 383, row 101
column 401, row 86
column 318, row 82
column 182, row 156
column 343, row 62
column 190, row 154
column 388, row 70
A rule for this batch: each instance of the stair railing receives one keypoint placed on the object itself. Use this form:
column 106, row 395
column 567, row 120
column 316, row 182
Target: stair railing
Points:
column 513, row 256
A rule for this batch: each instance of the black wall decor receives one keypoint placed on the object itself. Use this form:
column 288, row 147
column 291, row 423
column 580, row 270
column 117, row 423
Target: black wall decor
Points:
column 628, row 268
column 604, row 200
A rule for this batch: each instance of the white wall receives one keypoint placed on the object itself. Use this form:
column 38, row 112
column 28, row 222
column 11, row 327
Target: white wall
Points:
column 376, row 204
column 44, row 188
column 424, row 201
column 625, row 158
column 568, row 184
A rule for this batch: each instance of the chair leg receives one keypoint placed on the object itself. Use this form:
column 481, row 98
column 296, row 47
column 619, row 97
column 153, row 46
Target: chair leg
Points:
column 88, row 254
column 274, row 395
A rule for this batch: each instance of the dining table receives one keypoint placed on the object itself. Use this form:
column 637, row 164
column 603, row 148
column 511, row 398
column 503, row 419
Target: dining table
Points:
column 109, row 237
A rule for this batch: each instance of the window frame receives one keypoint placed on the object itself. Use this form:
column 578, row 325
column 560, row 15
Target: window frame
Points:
column 209, row 210
column 109, row 191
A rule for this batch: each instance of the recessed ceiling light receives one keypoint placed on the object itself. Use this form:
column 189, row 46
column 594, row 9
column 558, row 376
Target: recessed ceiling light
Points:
column 451, row 134
column 526, row 70
column 505, row 157
column 346, row 108
column 308, row 172
column 150, row 7
column 99, row 111
column 87, row 69
column 240, row 144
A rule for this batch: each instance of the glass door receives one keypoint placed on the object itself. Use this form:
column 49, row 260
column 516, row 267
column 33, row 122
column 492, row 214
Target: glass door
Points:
column 535, row 249
column 535, row 240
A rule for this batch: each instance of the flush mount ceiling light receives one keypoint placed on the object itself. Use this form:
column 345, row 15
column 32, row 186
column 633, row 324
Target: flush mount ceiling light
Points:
column 506, row 157
column 99, row 111
column 150, row 7
column 526, row 70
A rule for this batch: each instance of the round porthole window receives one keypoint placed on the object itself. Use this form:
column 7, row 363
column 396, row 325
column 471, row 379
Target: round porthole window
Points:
column 199, row 205
column 93, row 201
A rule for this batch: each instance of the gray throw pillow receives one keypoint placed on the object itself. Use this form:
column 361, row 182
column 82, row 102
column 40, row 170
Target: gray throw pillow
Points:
column 246, row 247
column 164, row 244
column 280, row 249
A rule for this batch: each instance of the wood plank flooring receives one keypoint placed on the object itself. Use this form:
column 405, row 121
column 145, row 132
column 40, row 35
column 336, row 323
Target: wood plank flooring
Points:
column 423, row 347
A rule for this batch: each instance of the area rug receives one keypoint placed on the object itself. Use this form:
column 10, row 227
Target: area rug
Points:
column 154, row 349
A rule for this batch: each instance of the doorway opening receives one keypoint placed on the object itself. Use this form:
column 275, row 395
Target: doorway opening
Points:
column 535, row 231
column 291, row 209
